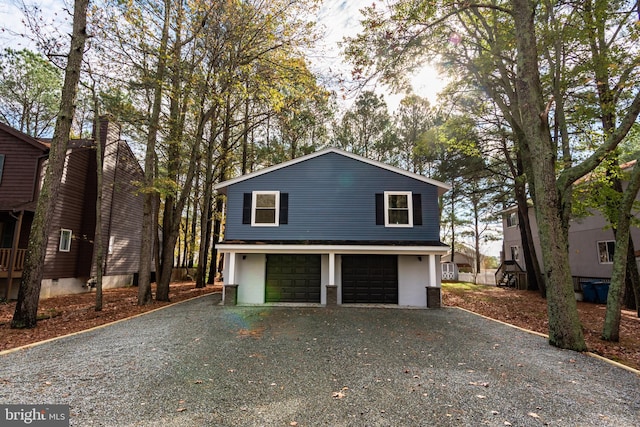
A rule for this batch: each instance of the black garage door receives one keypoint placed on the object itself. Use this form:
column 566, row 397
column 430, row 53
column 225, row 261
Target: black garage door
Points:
column 293, row 278
column 370, row 279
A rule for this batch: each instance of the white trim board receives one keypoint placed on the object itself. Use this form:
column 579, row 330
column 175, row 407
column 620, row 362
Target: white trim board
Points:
column 338, row 249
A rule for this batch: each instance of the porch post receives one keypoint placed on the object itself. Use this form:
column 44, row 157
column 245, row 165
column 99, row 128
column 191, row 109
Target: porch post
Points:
column 14, row 252
column 332, row 268
column 432, row 270
column 332, row 288
column 230, row 289
column 433, row 290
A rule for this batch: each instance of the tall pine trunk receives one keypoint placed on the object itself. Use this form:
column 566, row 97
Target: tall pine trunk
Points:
column 148, row 218
column 97, row 241
column 25, row 315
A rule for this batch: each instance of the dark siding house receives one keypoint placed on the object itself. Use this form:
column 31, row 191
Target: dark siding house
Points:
column 69, row 260
column 332, row 227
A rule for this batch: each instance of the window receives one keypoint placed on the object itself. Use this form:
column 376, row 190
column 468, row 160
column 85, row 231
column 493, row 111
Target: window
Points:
column 1, row 166
column 512, row 219
column 605, row 251
column 515, row 253
column 112, row 242
column 65, row 240
column 398, row 209
column 265, row 208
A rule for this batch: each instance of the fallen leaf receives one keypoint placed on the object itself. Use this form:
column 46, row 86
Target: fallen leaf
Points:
column 197, row 382
column 181, row 409
column 337, row 395
column 293, row 423
column 481, row 396
column 533, row 415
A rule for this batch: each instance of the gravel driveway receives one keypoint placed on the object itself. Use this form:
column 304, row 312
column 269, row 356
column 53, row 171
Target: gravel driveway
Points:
column 195, row 364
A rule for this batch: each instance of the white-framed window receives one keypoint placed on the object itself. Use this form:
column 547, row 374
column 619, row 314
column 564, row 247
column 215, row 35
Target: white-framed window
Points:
column 515, row 253
column 512, row 219
column 606, row 250
column 265, row 209
column 65, row 240
column 398, row 209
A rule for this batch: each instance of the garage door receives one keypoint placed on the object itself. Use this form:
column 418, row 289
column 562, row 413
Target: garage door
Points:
column 370, row 279
column 293, row 278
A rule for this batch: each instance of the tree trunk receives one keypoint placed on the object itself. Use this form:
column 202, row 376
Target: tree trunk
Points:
column 534, row 274
column 565, row 330
column 97, row 244
column 632, row 292
column 194, row 224
column 25, row 315
column 205, row 219
column 611, row 328
column 148, row 220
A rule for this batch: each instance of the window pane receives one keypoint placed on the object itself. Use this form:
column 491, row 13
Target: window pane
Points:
column 398, row 201
column 65, row 240
column 265, row 216
column 611, row 246
column 602, row 251
column 515, row 253
column 266, row 201
column 398, row 217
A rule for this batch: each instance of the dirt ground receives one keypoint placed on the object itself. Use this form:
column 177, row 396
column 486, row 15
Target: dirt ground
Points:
column 528, row 310
column 66, row 314
column 63, row 315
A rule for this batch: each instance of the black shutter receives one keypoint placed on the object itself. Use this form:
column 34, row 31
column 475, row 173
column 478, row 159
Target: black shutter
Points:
column 379, row 209
column 246, row 209
column 417, row 209
column 284, row 208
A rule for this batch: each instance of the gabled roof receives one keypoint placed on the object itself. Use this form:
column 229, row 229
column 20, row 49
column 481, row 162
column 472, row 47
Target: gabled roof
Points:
column 24, row 137
column 442, row 187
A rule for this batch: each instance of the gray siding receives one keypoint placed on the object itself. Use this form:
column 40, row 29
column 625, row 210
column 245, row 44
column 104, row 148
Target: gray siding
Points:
column 332, row 197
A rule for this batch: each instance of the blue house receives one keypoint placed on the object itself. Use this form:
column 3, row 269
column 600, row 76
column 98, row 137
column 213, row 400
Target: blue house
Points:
column 332, row 228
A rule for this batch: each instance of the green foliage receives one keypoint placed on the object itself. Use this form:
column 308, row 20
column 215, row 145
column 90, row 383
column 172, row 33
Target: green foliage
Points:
column 30, row 90
column 366, row 129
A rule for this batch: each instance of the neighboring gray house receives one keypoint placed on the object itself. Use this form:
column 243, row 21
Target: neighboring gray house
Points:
column 591, row 244
column 332, row 228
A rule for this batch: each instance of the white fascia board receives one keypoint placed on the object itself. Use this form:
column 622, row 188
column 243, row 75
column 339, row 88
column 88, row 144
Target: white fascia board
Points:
column 341, row 249
column 442, row 187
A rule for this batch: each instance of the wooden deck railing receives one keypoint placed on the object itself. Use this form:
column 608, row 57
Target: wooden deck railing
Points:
column 18, row 262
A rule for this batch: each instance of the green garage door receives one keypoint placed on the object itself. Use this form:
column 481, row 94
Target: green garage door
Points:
column 293, row 278
column 370, row 279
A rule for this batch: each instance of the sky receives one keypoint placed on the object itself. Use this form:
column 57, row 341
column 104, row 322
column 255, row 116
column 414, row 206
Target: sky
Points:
column 336, row 19
column 341, row 18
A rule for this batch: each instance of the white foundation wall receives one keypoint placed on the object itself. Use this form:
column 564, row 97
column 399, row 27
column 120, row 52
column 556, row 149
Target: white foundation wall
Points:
column 413, row 277
column 71, row 285
column 250, row 278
